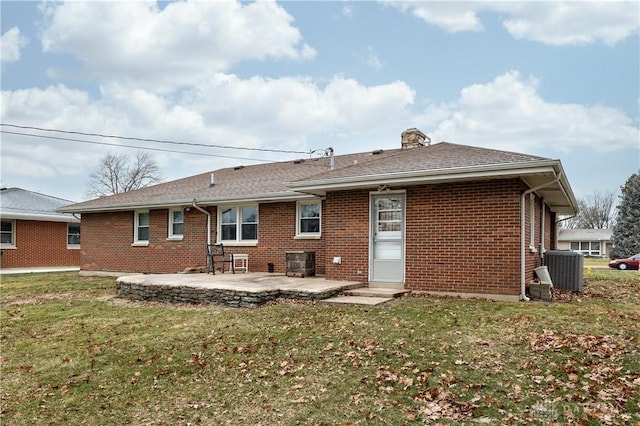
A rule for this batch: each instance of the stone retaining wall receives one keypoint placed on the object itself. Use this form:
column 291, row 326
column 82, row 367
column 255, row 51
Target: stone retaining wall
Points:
column 198, row 295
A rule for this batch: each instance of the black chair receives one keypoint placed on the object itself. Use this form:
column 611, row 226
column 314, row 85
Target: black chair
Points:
column 216, row 255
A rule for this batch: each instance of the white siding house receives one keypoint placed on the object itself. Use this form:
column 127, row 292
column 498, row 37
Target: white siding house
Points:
column 589, row 242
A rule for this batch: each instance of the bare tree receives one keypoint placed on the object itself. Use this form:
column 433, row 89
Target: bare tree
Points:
column 596, row 212
column 117, row 174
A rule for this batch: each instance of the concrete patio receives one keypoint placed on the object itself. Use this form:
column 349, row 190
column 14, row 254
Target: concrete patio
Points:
column 237, row 290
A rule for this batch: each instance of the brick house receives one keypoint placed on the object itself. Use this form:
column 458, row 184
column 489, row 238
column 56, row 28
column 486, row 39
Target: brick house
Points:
column 442, row 218
column 34, row 234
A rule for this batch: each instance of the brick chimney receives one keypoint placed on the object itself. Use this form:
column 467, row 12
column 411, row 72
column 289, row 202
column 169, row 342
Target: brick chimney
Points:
column 414, row 138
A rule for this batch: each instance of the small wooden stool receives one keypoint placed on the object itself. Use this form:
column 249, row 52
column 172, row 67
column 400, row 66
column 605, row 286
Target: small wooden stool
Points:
column 243, row 260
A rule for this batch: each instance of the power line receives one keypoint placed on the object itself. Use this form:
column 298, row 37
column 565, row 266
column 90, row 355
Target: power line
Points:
column 132, row 146
column 153, row 140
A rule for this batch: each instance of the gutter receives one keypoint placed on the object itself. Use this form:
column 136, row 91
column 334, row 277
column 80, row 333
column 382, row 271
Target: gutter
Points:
column 319, row 188
column 200, row 209
column 523, row 290
column 67, row 218
column 419, row 176
column 260, row 198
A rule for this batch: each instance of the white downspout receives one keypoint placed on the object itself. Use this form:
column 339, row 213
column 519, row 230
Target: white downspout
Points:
column 542, row 223
column 200, row 209
column 523, row 284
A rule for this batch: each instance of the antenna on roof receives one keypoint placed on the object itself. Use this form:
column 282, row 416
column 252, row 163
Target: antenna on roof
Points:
column 332, row 162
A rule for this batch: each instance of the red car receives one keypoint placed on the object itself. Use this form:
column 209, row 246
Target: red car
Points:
column 628, row 263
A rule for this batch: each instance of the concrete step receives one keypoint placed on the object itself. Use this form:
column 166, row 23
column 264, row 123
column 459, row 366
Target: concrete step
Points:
column 358, row 300
column 375, row 292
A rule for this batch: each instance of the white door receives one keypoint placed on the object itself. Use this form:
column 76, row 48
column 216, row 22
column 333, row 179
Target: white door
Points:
column 386, row 253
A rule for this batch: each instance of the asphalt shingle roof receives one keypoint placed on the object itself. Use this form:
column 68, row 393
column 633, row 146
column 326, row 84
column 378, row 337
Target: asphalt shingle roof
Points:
column 584, row 234
column 260, row 181
column 269, row 181
column 18, row 202
column 439, row 156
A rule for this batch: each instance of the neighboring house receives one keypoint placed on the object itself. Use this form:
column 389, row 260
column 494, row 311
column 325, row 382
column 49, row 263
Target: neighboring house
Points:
column 34, row 234
column 441, row 218
column 589, row 242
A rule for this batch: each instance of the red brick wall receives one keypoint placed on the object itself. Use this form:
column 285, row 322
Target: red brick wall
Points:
column 461, row 237
column 553, row 235
column 40, row 244
column 346, row 234
column 464, row 237
column 532, row 259
column 276, row 236
column 107, row 239
column 107, row 243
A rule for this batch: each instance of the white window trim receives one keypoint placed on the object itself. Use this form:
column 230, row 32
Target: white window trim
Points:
column 170, row 235
column 136, row 242
column 307, row 235
column 237, row 242
column 589, row 251
column 13, row 244
column 73, row 246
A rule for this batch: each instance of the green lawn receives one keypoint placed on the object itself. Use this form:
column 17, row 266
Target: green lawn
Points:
column 596, row 261
column 72, row 353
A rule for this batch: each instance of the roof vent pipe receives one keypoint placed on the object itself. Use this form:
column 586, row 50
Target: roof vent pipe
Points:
column 332, row 161
column 213, row 180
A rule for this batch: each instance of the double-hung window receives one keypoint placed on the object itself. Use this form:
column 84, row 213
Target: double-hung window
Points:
column 141, row 228
column 308, row 221
column 238, row 224
column 73, row 236
column 176, row 224
column 8, row 234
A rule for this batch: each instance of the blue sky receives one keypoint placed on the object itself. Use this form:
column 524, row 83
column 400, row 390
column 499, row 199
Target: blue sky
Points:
column 555, row 79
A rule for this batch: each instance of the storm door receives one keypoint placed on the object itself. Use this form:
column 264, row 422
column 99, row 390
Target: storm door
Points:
column 386, row 254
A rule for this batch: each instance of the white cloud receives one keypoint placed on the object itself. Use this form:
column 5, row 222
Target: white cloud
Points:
column 370, row 58
column 12, row 42
column 56, row 107
column 554, row 23
column 508, row 112
column 133, row 42
column 576, row 23
column 451, row 16
column 286, row 113
column 290, row 109
column 292, row 113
